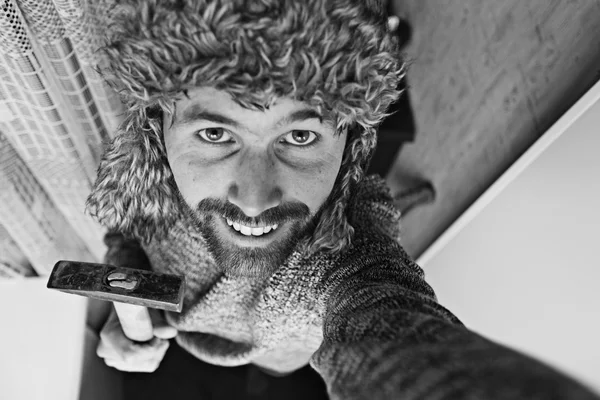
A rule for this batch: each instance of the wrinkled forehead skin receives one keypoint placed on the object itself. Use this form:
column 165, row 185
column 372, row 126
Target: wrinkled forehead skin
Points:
column 336, row 56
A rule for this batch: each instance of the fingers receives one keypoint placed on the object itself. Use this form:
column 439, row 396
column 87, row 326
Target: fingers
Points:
column 126, row 355
column 136, row 357
column 161, row 327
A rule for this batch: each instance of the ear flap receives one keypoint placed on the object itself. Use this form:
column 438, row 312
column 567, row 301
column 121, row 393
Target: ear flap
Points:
column 334, row 231
column 134, row 192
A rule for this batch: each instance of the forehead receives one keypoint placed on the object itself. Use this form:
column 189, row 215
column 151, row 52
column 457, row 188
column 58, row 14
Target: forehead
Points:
column 212, row 98
column 219, row 105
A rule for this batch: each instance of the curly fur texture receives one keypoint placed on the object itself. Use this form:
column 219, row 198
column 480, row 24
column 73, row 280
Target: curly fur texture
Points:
column 336, row 55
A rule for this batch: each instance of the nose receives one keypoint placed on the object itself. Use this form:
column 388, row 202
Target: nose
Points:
column 255, row 187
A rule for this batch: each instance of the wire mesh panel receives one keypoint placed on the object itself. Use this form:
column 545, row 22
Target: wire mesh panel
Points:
column 56, row 113
column 13, row 261
column 83, row 22
column 32, row 219
column 39, row 133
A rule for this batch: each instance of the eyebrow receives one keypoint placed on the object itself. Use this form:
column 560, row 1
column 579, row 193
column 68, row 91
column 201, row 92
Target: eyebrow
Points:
column 196, row 113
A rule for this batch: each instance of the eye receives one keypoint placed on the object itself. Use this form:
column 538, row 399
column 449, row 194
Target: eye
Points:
column 301, row 138
column 214, row 135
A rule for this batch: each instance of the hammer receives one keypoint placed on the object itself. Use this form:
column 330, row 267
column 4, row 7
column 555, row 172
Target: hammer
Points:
column 130, row 290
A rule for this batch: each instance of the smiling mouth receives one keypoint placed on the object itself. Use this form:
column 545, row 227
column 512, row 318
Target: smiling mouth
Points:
column 251, row 231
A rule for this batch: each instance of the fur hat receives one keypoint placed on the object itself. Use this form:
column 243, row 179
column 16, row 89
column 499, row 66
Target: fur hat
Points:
column 336, row 55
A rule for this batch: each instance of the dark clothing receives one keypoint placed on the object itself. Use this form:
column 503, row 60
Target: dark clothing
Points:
column 181, row 376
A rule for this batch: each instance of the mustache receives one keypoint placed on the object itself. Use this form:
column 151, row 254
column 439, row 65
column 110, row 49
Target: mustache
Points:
column 276, row 215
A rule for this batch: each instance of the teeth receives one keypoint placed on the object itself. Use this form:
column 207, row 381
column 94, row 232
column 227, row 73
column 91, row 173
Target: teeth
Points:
column 245, row 230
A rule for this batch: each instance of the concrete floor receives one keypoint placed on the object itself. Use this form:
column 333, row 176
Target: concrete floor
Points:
column 487, row 79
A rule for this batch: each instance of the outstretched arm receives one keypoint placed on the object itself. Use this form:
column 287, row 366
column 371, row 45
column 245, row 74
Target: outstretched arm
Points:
column 386, row 337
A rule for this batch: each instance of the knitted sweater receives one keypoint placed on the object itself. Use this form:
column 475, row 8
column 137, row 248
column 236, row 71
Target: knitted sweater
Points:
column 366, row 320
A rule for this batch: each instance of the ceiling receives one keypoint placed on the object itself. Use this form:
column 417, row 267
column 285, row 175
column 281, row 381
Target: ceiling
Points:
column 487, row 79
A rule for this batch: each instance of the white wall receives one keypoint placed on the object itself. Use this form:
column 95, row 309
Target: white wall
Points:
column 522, row 265
column 41, row 341
column 46, row 350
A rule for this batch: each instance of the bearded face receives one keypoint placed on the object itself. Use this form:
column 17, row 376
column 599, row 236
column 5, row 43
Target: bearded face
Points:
column 254, row 182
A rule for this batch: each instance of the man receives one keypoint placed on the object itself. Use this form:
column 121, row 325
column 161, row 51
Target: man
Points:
column 240, row 165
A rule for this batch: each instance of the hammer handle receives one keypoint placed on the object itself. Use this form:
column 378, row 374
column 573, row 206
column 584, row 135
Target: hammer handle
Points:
column 135, row 321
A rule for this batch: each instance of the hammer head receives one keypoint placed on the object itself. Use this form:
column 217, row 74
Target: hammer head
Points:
column 125, row 285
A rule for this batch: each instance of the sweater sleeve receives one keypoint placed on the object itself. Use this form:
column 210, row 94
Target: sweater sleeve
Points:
column 386, row 337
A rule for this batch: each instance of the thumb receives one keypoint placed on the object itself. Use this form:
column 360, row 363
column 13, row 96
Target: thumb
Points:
column 161, row 327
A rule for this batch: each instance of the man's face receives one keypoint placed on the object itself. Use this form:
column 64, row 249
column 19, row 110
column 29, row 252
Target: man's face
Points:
column 252, row 169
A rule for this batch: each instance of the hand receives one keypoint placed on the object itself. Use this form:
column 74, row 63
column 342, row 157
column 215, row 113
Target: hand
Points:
column 121, row 353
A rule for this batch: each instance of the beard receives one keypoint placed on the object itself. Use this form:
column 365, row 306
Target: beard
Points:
column 259, row 262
